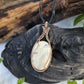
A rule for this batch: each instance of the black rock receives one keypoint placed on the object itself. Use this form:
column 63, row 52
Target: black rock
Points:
column 67, row 61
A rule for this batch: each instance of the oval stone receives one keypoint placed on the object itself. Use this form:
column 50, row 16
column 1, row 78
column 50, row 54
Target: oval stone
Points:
column 41, row 56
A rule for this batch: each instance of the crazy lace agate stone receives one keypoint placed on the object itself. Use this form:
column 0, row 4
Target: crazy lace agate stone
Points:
column 41, row 56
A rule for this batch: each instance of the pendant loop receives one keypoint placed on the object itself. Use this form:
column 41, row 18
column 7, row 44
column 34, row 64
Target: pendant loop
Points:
column 45, row 32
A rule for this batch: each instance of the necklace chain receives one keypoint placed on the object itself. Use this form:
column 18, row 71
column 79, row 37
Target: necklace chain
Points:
column 40, row 11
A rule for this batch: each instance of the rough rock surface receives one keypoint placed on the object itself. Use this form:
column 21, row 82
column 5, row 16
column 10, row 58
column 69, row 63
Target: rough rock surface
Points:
column 67, row 61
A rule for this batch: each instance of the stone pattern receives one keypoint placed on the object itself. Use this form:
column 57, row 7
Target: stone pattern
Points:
column 41, row 56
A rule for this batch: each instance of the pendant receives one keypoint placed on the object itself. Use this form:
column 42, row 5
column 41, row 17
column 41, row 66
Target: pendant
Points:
column 41, row 54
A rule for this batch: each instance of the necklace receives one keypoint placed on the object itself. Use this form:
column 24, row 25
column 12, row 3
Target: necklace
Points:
column 41, row 54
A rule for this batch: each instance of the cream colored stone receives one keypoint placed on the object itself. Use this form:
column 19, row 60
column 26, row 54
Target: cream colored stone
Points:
column 41, row 56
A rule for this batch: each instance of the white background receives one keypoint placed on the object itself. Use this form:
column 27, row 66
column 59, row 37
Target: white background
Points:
column 7, row 78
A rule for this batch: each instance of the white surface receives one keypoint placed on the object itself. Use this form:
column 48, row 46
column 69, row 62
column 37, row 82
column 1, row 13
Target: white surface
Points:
column 41, row 56
column 7, row 78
